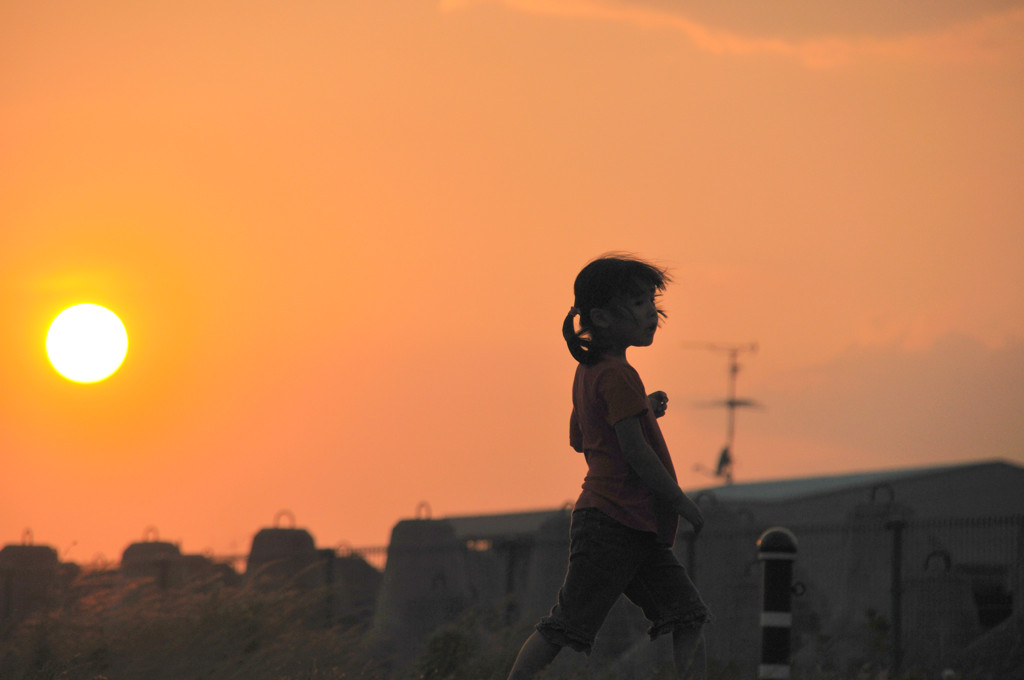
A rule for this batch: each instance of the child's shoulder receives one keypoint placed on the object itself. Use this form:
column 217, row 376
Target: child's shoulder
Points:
column 607, row 366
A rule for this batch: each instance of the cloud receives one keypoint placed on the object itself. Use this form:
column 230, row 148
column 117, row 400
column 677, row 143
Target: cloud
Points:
column 818, row 35
column 804, row 19
column 958, row 399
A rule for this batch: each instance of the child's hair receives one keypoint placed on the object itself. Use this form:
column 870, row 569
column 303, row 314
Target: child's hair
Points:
column 597, row 284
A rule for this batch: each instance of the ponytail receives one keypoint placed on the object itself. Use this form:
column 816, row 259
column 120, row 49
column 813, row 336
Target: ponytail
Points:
column 578, row 347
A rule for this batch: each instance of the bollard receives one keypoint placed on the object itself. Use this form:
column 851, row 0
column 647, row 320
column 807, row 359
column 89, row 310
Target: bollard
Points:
column 777, row 549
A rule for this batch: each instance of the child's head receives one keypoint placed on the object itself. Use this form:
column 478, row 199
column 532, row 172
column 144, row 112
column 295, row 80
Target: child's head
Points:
column 602, row 289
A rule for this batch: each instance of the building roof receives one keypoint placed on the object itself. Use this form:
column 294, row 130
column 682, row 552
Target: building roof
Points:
column 802, row 487
column 484, row 527
column 495, row 526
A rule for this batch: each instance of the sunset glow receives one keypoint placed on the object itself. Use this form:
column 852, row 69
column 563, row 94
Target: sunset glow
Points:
column 343, row 237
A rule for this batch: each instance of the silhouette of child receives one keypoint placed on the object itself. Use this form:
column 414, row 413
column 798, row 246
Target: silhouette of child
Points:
column 625, row 520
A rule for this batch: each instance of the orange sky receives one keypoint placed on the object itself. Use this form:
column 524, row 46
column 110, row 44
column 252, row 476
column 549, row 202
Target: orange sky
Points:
column 342, row 237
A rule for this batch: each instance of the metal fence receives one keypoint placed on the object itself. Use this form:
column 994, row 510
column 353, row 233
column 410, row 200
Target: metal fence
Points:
column 376, row 557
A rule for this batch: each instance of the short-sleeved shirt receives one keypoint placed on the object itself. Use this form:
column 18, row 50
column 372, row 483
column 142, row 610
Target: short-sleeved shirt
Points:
column 602, row 395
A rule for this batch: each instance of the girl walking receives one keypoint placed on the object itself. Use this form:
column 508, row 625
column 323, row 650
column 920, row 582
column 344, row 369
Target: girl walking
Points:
column 625, row 520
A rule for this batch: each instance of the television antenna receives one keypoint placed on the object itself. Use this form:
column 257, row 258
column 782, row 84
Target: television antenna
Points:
column 723, row 468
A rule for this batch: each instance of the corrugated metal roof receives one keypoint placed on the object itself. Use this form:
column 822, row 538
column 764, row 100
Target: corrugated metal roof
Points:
column 494, row 526
column 470, row 527
column 802, row 487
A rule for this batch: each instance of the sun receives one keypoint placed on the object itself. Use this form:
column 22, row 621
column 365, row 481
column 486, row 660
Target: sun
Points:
column 86, row 343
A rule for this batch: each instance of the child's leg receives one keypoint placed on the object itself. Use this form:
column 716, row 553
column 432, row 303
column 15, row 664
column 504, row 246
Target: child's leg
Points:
column 689, row 653
column 535, row 655
column 603, row 559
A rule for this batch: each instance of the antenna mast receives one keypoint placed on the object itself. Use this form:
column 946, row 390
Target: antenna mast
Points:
column 724, row 467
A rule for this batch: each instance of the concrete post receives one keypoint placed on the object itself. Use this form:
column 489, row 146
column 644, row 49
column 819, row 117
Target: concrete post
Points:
column 776, row 548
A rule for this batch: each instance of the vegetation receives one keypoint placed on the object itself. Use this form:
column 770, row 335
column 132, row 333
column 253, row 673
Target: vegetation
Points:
column 106, row 628
column 103, row 627
column 115, row 630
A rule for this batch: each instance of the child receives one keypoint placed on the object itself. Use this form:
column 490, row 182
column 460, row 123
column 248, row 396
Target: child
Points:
column 625, row 520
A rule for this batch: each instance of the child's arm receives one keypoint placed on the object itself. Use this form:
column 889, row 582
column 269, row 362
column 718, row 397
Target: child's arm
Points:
column 575, row 434
column 644, row 461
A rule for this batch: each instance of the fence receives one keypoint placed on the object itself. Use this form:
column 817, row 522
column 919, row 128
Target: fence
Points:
column 376, row 557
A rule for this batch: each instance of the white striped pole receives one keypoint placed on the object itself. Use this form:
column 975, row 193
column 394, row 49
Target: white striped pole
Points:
column 777, row 550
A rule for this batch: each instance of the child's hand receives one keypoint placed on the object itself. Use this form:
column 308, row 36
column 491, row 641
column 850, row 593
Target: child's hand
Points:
column 689, row 511
column 659, row 403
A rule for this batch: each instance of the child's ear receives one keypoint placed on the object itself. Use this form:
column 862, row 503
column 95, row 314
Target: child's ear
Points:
column 599, row 317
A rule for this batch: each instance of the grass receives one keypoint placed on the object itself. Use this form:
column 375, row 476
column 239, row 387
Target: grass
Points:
column 102, row 627
column 118, row 630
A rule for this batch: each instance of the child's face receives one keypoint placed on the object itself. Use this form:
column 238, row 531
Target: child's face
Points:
column 631, row 320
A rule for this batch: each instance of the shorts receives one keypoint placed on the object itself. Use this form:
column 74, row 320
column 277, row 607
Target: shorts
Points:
column 608, row 559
